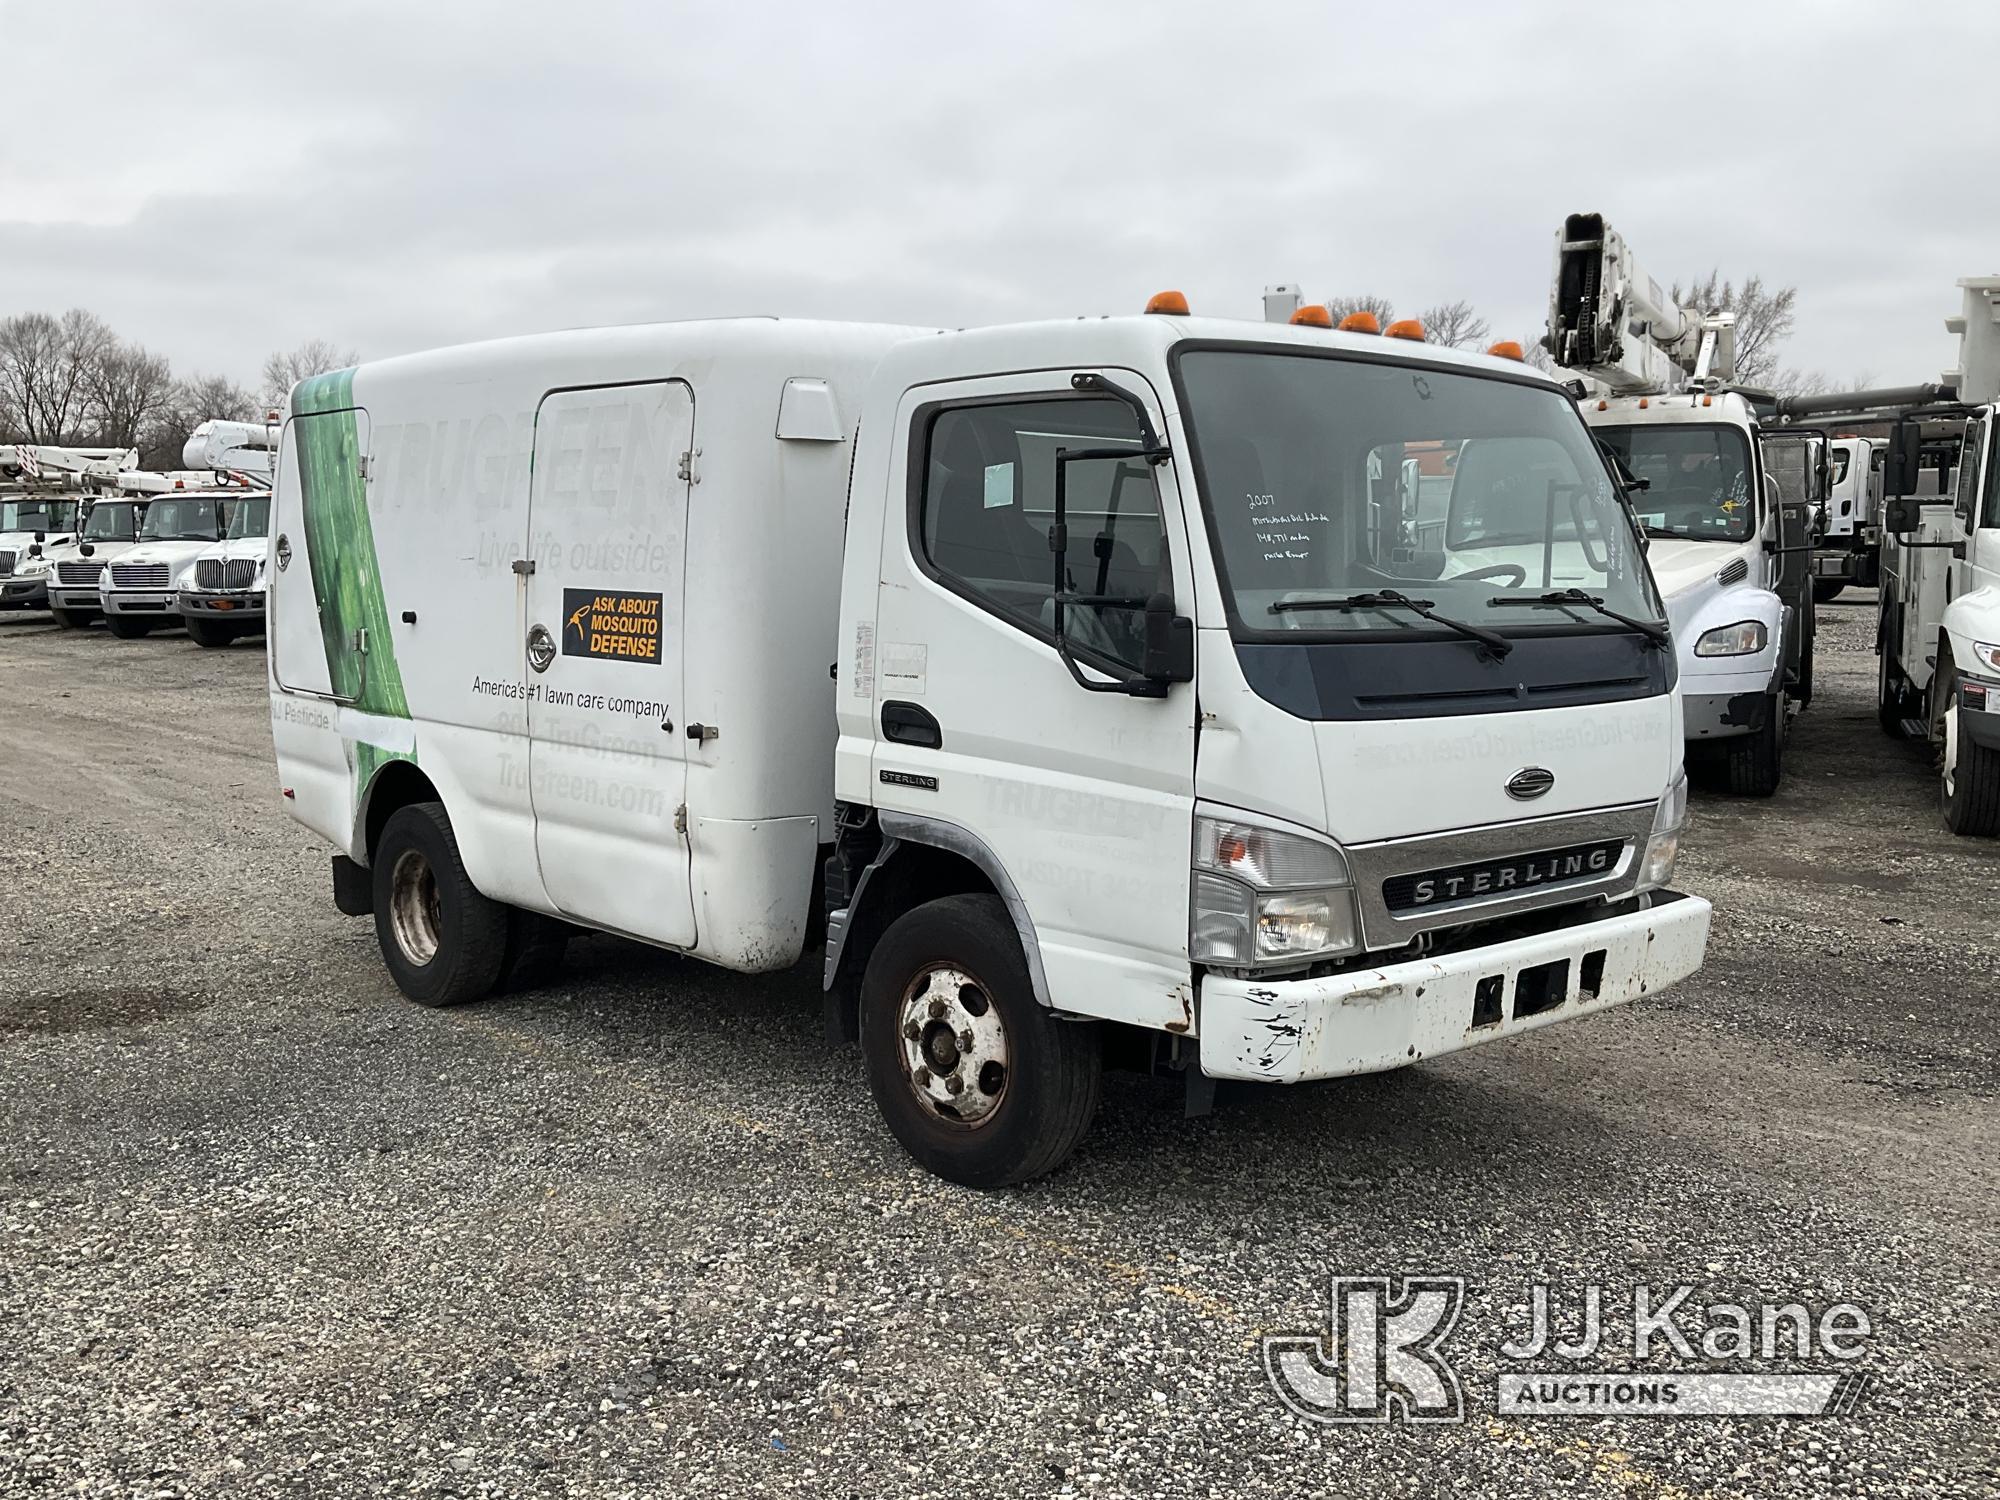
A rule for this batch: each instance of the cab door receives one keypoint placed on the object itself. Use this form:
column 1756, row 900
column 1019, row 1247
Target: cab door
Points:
column 603, row 634
column 1081, row 800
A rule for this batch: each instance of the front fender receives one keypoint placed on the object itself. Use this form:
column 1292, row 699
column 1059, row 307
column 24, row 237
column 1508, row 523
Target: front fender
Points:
column 1731, row 607
column 1972, row 618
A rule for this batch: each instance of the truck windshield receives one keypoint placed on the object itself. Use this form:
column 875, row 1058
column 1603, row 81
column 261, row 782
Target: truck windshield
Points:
column 1699, row 478
column 250, row 518
column 37, row 515
column 183, row 519
column 112, row 521
column 1326, row 478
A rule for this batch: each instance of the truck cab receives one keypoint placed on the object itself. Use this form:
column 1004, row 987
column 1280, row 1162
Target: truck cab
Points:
column 140, row 586
column 1729, row 561
column 31, row 526
column 1082, row 688
column 221, row 599
column 1849, row 545
column 110, row 527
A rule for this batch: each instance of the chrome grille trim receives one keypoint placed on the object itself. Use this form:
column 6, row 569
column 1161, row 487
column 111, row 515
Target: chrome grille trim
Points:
column 79, row 574
column 234, row 574
column 138, row 575
column 1373, row 864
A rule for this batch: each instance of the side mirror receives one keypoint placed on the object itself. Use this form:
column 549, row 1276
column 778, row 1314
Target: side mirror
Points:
column 36, row 549
column 1169, row 642
column 1903, row 514
column 1904, row 466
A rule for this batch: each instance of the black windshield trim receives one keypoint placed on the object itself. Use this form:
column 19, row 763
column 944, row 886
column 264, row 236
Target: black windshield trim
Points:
column 1243, row 631
column 1753, row 440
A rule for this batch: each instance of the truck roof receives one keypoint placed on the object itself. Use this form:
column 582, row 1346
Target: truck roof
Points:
column 1680, row 406
column 914, row 354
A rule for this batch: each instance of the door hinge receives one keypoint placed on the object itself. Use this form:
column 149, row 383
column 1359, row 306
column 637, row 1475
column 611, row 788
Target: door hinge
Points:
column 361, row 640
column 524, row 566
column 690, row 465
column 681, row 818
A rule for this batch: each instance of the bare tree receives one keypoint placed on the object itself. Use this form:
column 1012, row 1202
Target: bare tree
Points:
column 283, row 370
column 1538, row 356
column 1764, row 318
column 128, row 388
column 1340, row 307
column 45, row 371
column 1455, row 325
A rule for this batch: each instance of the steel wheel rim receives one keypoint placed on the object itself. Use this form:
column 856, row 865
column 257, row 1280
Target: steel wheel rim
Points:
column 1948, row 772
column 413, row 908
column 953, row 1046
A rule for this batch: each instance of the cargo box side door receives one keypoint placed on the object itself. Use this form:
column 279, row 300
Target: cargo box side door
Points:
column 605, row 611
column 324, row 598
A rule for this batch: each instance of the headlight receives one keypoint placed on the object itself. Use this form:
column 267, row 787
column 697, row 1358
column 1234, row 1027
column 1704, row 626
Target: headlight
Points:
column 1744, row 638
column 1663, row 847
column 31, row 567
column 1262, row 897
column 1989, row 656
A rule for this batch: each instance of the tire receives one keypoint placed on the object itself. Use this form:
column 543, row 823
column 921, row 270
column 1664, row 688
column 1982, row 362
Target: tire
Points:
column 1892, row 696
column 534, row 953
column 210, row 633
column 1968, row 774
column 962, row 953
column 126, row 628
column 1804, row 690
column 444, row 943
column 1827, row 588
column 1753, row 764
column 73, row 619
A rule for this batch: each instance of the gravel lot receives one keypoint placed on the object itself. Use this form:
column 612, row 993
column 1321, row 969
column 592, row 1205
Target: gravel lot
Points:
column 266, row 1225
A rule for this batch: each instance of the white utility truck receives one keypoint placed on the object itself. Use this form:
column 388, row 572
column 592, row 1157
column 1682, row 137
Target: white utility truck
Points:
column 1075, row 683
column 39, row 504
column 1940, row 602
column 139, row 589
column 1730, row 540
column 221, row 597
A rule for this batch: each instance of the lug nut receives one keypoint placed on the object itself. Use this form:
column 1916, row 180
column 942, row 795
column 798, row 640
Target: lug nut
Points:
column 953, row 1084
column 965, row 1040
column 937, row 1009
column 922, row 1077
column 912, row 1031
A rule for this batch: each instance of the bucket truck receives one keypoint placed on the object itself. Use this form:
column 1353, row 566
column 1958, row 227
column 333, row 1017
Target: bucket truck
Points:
column 39, row 503
column 221, row 598
column 1727, row 510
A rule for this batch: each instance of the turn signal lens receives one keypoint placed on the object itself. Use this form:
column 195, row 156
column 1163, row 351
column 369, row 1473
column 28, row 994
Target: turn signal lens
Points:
column 1406, row 328
column 1173, row 304
column 1989, row 655
column 1361, row 322
column 1265, row 858
column 1313, row 316
column 1507, row 349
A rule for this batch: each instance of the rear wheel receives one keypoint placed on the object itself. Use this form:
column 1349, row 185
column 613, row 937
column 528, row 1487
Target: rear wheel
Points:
column 443, row 941
column 1968, row 774
column 1827, row 588
column 1892, row 696
column 210, row 632
column 979, row 1081
column 73, row 619
column 127, row 628
column 1754, row 763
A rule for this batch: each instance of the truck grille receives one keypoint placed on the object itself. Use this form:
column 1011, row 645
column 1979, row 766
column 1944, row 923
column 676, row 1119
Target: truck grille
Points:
column 217, row 573
column 138, row 575
column 6, row 564
column 79, row 574
column 1496, row 877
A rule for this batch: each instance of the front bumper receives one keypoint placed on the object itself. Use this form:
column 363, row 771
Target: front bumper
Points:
column 136, row 601
column 69, row 596
column 1717, row 705
column 237, row 609
column 24, row 593
column 1371, row 1020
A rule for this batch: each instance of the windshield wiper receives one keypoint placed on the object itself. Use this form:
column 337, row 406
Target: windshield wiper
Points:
column 1490, row 641
column 1578, row 599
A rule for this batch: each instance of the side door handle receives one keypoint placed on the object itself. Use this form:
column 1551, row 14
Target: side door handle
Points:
column 907, row 724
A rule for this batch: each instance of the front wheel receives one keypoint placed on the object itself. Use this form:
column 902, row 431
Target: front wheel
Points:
column 981, row 1083
column 1827, row 588
column 73, row 619
column 443, row 941
column 1754, row 763
column 1968, row 774
column 126, row 628
column 210, row 633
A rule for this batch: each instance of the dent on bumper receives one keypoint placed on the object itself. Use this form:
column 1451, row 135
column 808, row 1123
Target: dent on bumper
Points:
column 1371, row 1020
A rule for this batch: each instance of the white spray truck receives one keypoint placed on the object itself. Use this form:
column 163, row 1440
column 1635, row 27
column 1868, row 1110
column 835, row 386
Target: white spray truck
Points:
column 1728, row 512
column 1073, row 684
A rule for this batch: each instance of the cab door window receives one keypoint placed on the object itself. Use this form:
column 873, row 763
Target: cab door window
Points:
column 986, row 506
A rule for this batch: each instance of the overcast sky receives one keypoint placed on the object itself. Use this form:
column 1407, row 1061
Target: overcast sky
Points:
column 222, row 179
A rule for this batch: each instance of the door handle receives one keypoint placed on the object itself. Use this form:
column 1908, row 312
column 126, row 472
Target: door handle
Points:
column 541, row 648
column 907, row 724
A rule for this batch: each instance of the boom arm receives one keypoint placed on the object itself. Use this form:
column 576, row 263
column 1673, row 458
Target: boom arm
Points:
column 1609, row 320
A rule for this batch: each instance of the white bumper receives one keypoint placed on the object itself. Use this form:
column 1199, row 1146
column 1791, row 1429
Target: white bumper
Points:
column 1371, row 1020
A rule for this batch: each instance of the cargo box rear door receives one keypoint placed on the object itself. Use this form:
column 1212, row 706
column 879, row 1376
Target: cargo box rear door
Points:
column 604, row 613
